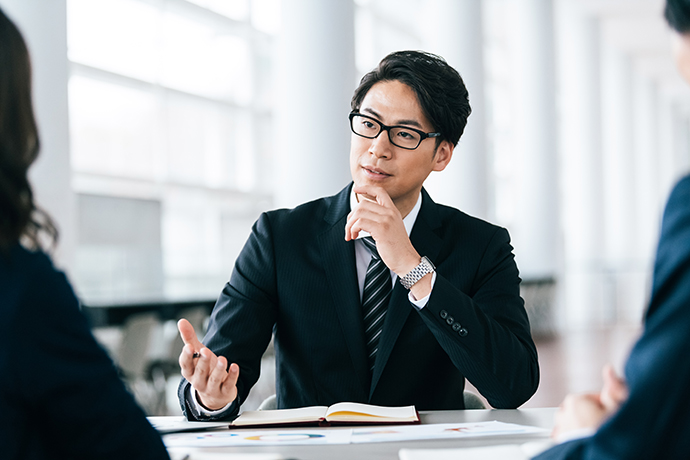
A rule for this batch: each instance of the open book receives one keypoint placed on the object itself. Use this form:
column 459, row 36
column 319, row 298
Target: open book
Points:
column 344, row 413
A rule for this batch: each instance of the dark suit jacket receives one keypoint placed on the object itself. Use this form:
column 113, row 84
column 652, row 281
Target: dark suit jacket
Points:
column 296, row 277
column 60, row 396
column 655, row 420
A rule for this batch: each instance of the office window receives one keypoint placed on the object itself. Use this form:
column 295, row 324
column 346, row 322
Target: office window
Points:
column 169, row 102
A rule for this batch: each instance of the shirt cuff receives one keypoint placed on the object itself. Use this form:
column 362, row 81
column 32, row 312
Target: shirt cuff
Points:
column 202, row 410
column 421, row 303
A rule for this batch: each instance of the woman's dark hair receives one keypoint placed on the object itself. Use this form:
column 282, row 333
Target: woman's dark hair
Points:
column 439, row 88
column 677, row 14
column 20, row 220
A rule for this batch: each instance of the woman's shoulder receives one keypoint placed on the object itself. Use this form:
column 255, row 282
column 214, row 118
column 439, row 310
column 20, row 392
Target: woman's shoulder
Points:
column 25, row 273
column 21, row 261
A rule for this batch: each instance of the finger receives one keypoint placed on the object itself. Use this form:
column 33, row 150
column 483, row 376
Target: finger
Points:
column 218, row 396
column 364, row 206
column 203, row 369
column 221, row 388
column 369, row 217
column 350, row 234
column 373, row 193
column 230, row 385
column 187, row 362
column 217, row 377
column 364, row 197
column 614, row 387
column 188, row 334
column 614, row 391
column 352, row 229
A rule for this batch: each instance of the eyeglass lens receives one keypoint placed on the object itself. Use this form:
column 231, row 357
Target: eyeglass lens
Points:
column 367, row 127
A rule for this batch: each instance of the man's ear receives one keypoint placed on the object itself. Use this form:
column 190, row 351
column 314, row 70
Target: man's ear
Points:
column 444, row 153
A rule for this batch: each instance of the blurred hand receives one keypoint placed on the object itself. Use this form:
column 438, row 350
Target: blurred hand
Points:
column 589, row 411
column 615, row 390
column 577, row 412
column 214, row 382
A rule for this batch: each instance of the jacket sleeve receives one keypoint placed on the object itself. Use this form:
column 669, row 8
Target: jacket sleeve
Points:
column 485, row 330
column 242, row 321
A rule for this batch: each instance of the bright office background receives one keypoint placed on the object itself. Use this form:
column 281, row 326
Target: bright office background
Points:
column 169, row 125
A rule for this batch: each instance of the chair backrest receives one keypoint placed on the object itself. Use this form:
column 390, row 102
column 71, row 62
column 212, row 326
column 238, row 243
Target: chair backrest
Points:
column 133, row 354
column 269, row 403
column 472, row 401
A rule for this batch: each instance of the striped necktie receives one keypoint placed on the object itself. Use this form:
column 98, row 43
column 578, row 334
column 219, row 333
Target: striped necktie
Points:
column 377, row 293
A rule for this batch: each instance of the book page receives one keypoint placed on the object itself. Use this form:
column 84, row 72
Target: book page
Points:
column 366, row 412
column 268, row 417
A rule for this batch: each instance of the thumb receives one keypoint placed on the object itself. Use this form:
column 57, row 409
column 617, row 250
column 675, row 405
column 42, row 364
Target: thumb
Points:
column 188, row 334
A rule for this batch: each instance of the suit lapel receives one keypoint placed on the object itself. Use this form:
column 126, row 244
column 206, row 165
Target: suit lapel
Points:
column 341, row 273
column 427, row 243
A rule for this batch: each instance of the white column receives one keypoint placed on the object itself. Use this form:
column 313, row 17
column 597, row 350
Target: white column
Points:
column 581, row 167
column 672, row 156
column 666, row 168
column 315, row 82
column 537, row 234
column 681, row 148
column 453, row 29
column 647, row 207
column 44, row 27
column 619, row 187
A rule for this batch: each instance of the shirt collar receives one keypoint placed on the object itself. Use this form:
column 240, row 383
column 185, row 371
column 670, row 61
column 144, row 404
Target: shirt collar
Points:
column 408, row 220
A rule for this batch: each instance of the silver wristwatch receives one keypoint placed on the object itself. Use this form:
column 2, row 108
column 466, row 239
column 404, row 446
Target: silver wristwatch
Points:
column 417, row 273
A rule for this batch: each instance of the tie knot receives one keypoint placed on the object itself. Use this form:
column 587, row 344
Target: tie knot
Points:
column 371, row 245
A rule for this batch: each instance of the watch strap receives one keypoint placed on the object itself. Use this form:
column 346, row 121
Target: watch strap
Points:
column 425, row 267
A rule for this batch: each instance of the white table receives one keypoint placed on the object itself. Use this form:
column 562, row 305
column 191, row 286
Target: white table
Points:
column 542, row 417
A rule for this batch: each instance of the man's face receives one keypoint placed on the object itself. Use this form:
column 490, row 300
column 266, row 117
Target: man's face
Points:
column 378, row 162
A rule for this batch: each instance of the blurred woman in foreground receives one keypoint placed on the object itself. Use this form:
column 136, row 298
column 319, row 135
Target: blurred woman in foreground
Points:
column 60, row 396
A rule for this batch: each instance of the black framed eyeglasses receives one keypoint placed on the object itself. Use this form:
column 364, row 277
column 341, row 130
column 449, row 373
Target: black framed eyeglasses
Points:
column 400, row 136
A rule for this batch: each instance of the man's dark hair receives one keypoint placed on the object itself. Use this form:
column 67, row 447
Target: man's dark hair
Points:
column 439, row 88
column 677, row 13
column 19, row 217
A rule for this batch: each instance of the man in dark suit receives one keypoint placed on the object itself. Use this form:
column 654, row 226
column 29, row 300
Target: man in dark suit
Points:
column 377, row 294
column 647, row 415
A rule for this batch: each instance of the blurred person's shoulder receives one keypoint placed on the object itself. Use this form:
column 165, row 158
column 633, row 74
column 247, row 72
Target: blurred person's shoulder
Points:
column 678, row 201
column 29, row 275
column 20, row 262
column 683, row 185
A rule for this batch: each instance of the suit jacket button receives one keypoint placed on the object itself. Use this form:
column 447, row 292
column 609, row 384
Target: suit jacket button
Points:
column 443, row 314
column 456, row 327
column 450, row 320
column 462, row 332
